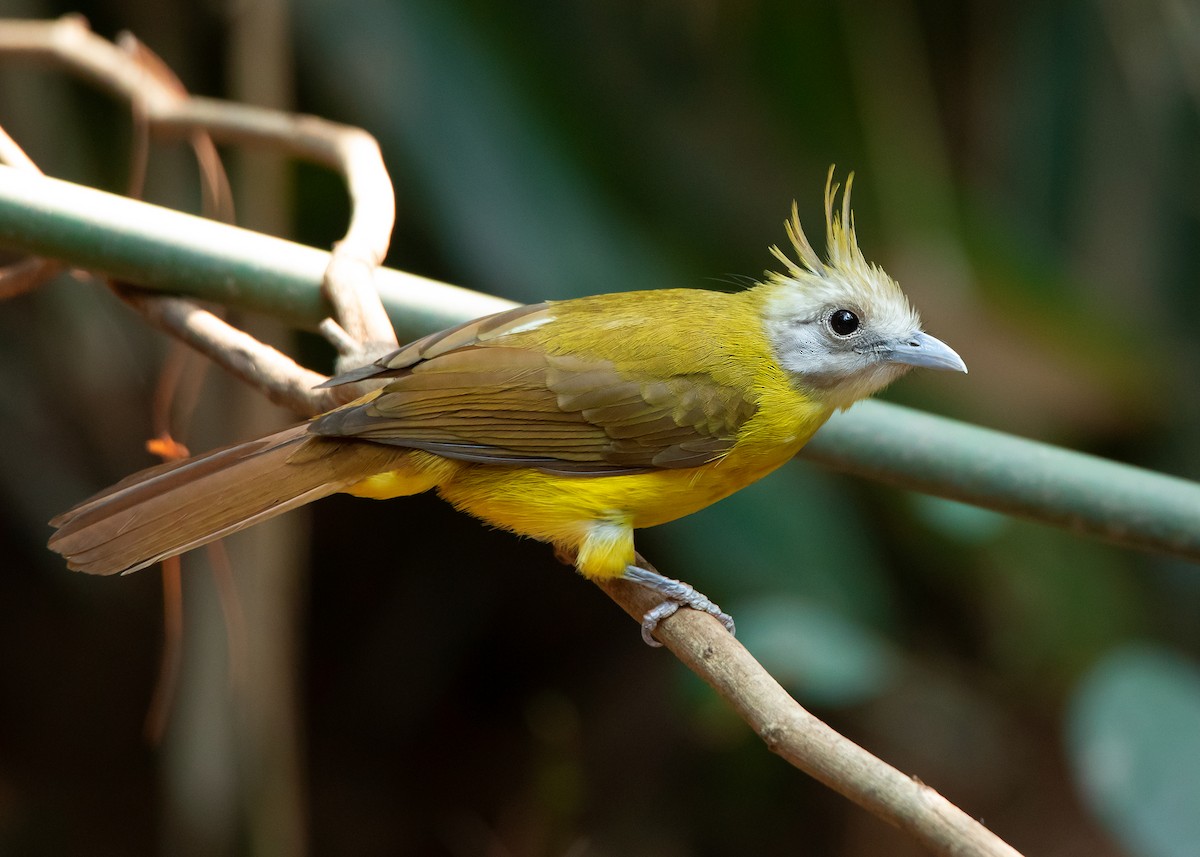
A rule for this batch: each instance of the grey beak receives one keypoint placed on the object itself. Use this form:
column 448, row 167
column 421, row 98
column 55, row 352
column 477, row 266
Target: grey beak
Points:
column 921, row 349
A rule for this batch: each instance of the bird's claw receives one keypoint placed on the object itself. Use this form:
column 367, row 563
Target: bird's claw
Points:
column 653, row 617
column 676, row 594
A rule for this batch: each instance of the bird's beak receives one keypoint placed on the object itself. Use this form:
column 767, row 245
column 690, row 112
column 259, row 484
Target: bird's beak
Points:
column 921, row 349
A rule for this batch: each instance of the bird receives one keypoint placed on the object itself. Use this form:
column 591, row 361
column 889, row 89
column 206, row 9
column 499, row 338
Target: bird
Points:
column 572, row 422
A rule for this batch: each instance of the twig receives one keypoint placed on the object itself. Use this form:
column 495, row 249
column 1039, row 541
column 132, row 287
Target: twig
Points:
column 214, row 181
column 161, row 104
column 14, row 155
column 707, row 649
column 353, row 152
column 171, row 659
column 25, row 275
column 280, row 378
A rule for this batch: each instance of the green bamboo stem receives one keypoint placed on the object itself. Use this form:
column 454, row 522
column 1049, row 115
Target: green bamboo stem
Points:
column 166, row 250
column 1115, row 502
column 158, row 248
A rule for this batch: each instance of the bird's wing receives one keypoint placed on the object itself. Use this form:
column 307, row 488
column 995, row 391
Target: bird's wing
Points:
column 474, row 332
column 456, row 395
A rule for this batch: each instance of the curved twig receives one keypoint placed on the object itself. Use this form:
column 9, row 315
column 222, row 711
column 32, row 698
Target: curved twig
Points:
column 277, row 376
column 135, row 74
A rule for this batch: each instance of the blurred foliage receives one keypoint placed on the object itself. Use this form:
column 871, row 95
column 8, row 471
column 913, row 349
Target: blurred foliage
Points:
column 1135, row 748
column 1028, row 172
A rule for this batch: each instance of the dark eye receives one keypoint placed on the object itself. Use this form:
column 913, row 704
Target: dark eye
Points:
column 843, row 322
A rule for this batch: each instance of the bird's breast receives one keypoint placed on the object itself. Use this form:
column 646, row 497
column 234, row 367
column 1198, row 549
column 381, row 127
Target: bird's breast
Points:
column 560, row 508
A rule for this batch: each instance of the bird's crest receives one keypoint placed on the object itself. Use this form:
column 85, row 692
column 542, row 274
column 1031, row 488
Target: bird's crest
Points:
column 841, row 244
column 844, row 262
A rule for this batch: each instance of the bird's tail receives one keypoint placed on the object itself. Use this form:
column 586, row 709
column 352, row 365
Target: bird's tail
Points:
column 172, row 508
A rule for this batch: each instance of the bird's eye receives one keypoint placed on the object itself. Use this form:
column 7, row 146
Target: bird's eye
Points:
column 843, row 322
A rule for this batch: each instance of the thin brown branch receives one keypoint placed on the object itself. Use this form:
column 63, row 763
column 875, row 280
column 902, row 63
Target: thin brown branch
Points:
column 232, row 610
column 712, row 653
column 214, row 181
column 171, row 377
column 176, row 394
column 342, row 342
column 26, row 275
column 14, row 155
column 158, row 713
column 161, row 105
column 280, row 378
column 69, row 43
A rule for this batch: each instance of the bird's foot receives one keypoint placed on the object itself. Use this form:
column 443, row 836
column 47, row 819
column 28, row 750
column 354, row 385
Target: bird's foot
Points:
column 676, row 594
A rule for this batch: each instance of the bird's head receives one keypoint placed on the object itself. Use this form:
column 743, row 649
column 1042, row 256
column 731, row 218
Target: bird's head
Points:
column 842, row 328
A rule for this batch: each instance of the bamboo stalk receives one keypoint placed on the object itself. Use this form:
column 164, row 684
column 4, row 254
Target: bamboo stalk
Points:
column 169, row 251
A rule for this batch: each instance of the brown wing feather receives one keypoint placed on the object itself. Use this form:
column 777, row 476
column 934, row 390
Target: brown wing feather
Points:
column 464, row 394
column 473, row 332
column 175, row 507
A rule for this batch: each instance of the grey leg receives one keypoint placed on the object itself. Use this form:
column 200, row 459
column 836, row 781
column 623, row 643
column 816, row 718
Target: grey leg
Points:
column 676, row 594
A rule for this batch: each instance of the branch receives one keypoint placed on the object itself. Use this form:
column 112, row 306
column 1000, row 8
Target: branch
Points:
column 707, row 649
column 280, row 378
column 25, row 275
column 132, row 72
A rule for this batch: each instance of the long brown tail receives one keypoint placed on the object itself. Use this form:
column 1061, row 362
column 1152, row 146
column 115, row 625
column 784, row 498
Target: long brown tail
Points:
column 172, row 508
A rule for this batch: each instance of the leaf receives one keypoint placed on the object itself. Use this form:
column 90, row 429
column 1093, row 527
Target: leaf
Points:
column 1133, row 736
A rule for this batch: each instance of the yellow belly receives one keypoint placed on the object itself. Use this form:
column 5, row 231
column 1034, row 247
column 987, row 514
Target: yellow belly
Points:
column 590, row 517
column 554, row 508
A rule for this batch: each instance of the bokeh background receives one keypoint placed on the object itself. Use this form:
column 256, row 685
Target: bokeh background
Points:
column 395, row 679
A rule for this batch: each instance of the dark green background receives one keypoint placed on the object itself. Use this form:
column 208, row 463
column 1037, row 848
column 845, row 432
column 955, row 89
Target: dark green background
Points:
column 1029, row 173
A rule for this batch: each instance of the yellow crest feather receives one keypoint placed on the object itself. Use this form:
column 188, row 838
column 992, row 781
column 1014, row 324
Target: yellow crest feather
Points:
column 841, row 243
